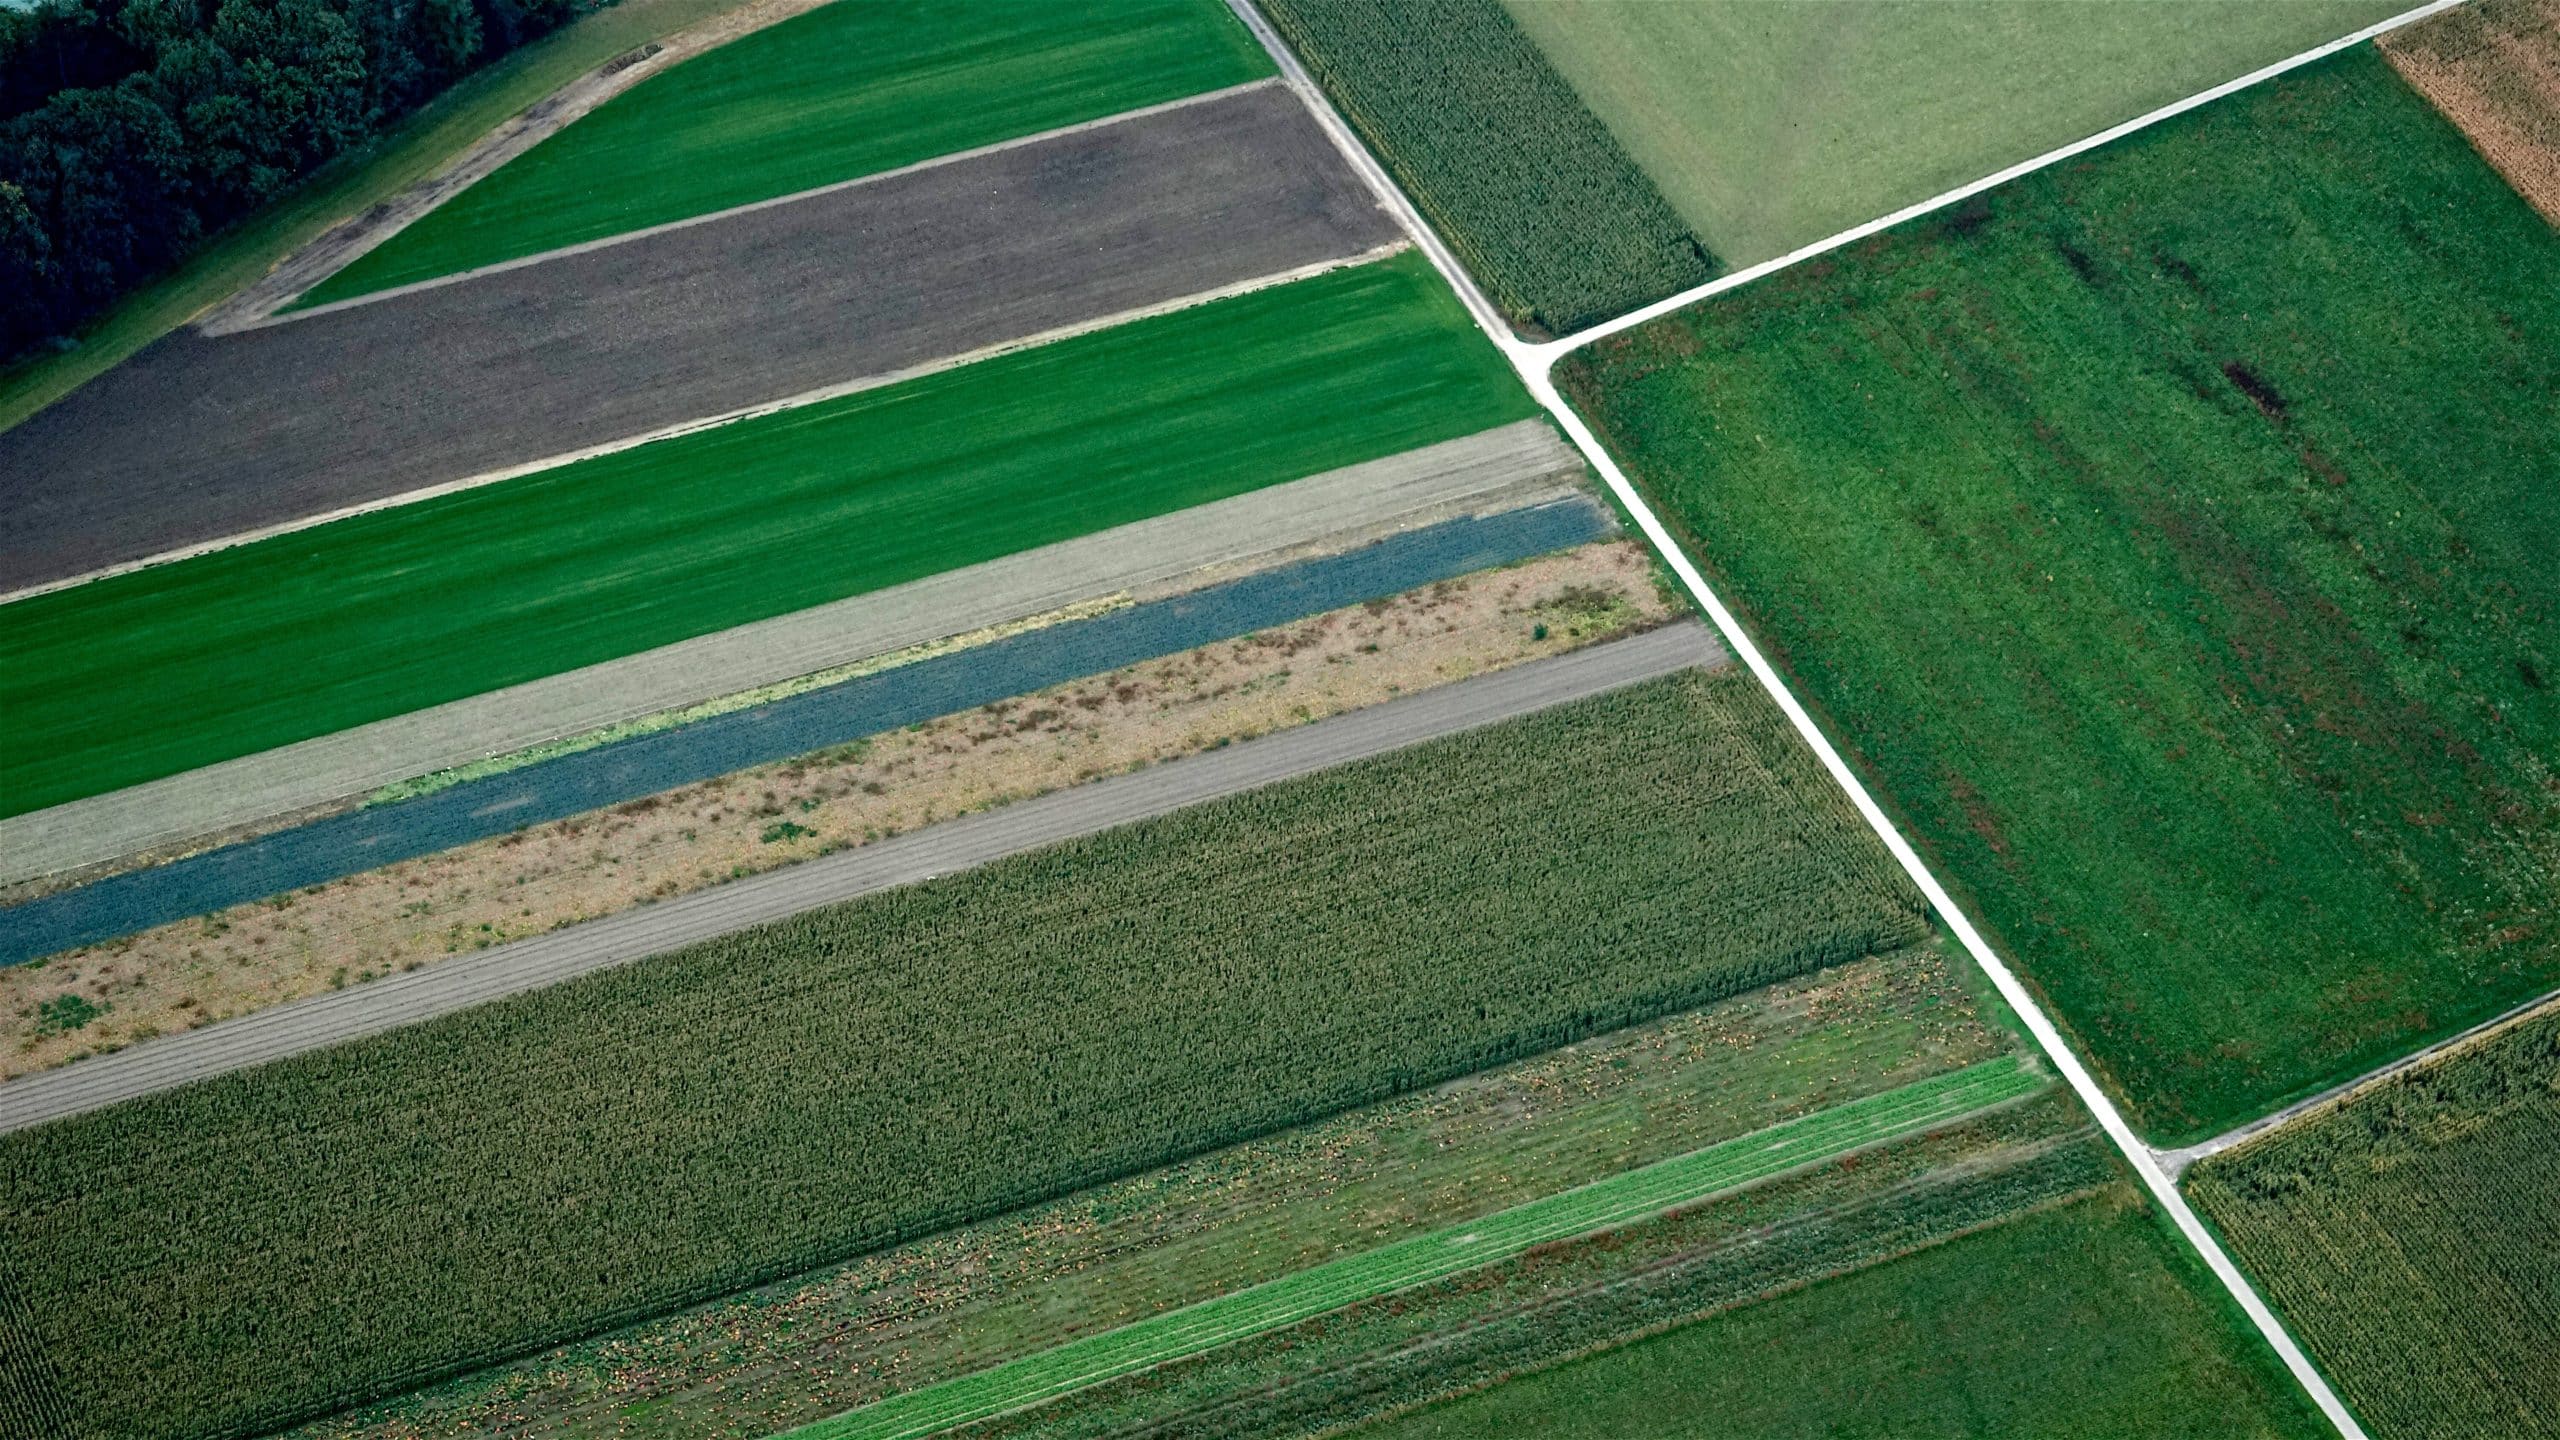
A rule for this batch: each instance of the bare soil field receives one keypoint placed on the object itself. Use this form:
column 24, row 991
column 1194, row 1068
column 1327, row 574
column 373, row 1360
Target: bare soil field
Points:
column 2493, row 68
column 401, row 917
column 199, row 438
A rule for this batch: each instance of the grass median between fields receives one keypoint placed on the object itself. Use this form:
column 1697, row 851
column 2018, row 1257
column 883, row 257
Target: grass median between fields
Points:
column 162, row 670
column 1487, row 1240
column 844, row 91
column 2170, row 535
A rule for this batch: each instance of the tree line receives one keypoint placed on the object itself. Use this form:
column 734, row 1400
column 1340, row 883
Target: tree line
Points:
column 132, row 130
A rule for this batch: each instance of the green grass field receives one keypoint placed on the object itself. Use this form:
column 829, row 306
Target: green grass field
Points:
column 2411, row 1238
column 2169, row 535
column 1540, row 202
column 571, row 1159
column 158, row 671
column 2084, row 1322
column 841, row 92
column 1772, row 126
column 1602, row 1205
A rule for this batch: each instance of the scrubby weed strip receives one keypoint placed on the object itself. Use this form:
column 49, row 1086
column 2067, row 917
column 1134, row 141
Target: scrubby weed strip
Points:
column 650, row 1136
column 1535, row 364
column 1491, row 1240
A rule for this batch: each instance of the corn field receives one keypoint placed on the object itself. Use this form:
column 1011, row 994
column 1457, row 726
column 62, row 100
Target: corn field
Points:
column 2411, row 1237
column 294, row 1238
column 1543, row 205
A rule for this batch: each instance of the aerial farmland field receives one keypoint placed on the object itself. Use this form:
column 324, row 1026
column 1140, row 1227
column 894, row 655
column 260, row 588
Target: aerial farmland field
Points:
column 2411, row 1235
column 844, row 91
column 2488, row 66
column 1539, row 201
column 2086, row 1318
column 1772, row 126
column 582, row 1155
column 161, row 670
column 2168, row 533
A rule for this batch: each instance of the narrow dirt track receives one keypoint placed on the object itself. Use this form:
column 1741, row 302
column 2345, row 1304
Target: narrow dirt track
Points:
column 200, row 438
column 505, row 970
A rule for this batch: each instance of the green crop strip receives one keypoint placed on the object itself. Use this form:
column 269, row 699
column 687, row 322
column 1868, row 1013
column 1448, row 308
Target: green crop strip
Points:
column 844, row 91
column 2170, row 533
column 1601, row 1205
column 1535, row 195
column 144, row 675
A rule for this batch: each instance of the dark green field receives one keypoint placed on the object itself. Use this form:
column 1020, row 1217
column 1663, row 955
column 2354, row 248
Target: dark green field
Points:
column 2411, row 1238
column 844, row 91
column 162, row 670
column 302, row 1235
column 2171, row 535
column 1537, row 198
column 2087, row 1322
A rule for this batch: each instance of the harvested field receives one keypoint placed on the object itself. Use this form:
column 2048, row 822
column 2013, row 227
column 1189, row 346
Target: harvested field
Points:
column 163, row 670
column 1771, row 126
column 951, row 1304
column 2102, row 519
column 2081, row 1318
column 2410, row 1236
column 400, row 917
column 676, row 1129
column 1533, row 193
column 191, row 442
column 842, row 92
column 2493, row 68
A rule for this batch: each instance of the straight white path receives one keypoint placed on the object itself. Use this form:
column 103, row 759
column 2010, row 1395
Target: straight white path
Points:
column 1516, row 464
column 2176, row 1161
column 492, row 974
column 1535, row 363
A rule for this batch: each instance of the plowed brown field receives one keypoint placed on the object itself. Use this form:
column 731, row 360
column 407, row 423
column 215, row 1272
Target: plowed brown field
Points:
column 2493, row 68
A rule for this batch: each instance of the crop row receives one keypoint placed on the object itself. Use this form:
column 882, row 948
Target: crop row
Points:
column 302, row 1235
column 1493, row 1239
column 1544, row 206
column 1563, row 1300
column 2411, row 1235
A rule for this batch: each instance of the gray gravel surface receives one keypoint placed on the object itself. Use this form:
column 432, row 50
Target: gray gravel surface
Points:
column 504, row 970
column 198, row 438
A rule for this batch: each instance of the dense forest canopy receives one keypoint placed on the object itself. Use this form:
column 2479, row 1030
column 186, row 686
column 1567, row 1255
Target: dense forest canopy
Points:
column 130, row 130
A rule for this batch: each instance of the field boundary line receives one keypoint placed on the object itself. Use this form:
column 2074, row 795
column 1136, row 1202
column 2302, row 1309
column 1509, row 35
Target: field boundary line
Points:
column 2177, row 1161
column 1535, row 364
column 1549, row 351
column 1629, row 1197
column 270, row 316
column 762, row 409
column 333, row 1017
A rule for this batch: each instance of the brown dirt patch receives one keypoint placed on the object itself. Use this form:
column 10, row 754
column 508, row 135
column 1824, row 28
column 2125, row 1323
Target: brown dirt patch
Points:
column 2493, row 68
column 403, row 916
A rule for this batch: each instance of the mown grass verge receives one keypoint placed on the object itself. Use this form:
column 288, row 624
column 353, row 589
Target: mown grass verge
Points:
column 2168, row 534
column 841, row 92
column 1536, row 196
column 2080, row 1318
column 2411, row 1237
column 1486, row 1240
column 303, row 1235
column 162, row 670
